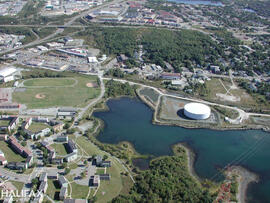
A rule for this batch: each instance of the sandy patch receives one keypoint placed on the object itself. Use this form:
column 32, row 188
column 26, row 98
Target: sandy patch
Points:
column 40, row 96
column 91, row 84
column 226, row 97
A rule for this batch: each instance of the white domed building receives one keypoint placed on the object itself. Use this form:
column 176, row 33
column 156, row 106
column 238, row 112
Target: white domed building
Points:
column 197, row 111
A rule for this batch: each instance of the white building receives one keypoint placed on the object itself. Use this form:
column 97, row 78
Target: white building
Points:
column 92, row 59
column 197, row 111
column 7, row 74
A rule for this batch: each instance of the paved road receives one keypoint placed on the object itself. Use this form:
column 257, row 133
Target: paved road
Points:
column 242, row 114
column 14, row 176
column 93, row 102
column 60, row 27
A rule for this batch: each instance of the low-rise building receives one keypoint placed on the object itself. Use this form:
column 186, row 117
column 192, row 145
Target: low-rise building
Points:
column 52, row 175
column 75, row 201
column 3, row 137
column 105, row 177
column 17, row 165
column 63, row 193
column 170, row 76
column 3, row 160
column 98, row 161
column 43, row 186
column 8, row 199
column 38, row 199
column 29, row 161
column 94, row 181
column 62, row 139
column 62, row 181
column 71, row 157
column 43, row 177
column 57, row 161
column 71, row 146
column 27, row 123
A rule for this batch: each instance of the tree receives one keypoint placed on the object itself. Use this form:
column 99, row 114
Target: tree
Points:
column 105, row 157
column 66, row 126
column 67, row 171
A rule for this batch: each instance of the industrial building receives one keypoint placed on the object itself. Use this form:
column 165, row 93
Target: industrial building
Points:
column 8, row 74
column 197, row 111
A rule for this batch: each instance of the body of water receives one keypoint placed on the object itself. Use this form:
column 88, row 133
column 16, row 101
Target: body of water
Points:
column 131, row 120
column 197, row 2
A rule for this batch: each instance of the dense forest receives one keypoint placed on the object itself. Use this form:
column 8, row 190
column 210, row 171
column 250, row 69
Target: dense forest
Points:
column 167, row 180
column 179, row 48
column 182, row 48
column 114, row 89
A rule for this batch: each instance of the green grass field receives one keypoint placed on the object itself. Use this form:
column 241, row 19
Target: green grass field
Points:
column 59, row 149
column 100, row 171
column 50, row 82
column 53, row 189
column 9, row 153
column 4, row 122
column 108, row 189
column 36, row 127
column 45, row 97
column 79, row 191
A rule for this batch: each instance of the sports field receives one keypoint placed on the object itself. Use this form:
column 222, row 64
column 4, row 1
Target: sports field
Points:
column 54, row 92
column 50, row 82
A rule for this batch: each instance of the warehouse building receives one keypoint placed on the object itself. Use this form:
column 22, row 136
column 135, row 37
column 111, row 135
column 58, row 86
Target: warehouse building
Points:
column 8, row 74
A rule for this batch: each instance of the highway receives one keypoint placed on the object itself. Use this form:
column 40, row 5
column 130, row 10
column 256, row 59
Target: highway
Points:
column 59, row 30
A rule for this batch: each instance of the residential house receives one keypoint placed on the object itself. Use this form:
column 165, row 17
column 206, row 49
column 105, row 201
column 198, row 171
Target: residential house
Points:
column 170, row 76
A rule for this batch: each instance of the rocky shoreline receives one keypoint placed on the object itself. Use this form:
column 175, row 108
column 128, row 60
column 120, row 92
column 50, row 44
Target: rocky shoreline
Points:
column 245, row 177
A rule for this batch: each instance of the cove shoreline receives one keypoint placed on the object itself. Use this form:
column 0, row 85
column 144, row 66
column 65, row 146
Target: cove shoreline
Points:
column 243, row 173
column 157, row 121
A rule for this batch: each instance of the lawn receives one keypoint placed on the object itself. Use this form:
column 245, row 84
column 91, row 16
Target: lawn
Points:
column 50, row 82
column 79, row 191
column 18, row 185
column 9, row 153
column 53, row 189
column 88, row 147
column 59, row 149
column 110, row 189
column 214, row 86
column 150, row 93
column 36, row 127
column 45, row 97
column 4, row 122
column 100, row 171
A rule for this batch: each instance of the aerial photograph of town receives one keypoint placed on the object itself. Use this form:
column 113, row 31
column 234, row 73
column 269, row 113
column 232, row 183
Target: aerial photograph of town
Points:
column 138, row 101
